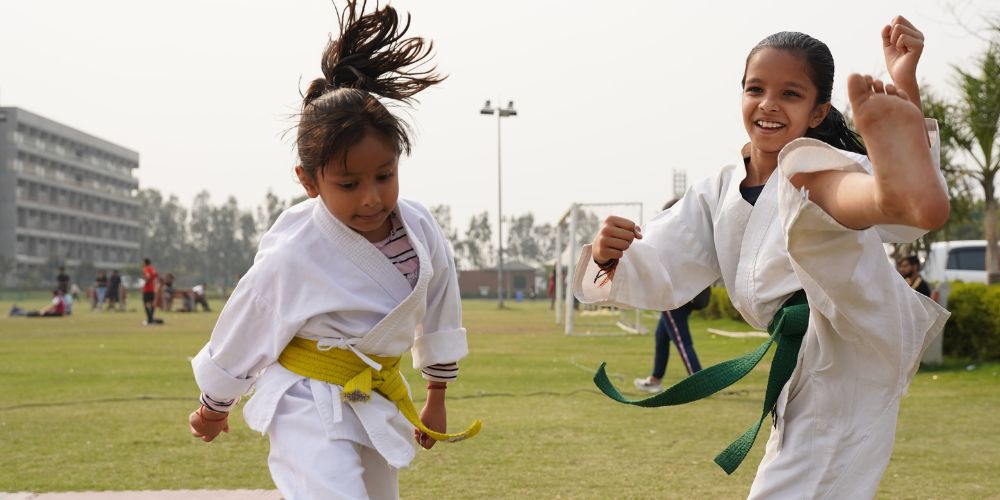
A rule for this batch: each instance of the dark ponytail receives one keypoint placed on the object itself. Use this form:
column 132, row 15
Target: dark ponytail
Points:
column 370, row 58
column 833, row 130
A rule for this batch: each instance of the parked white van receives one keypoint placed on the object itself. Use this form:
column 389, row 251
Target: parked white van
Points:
column 963, row 260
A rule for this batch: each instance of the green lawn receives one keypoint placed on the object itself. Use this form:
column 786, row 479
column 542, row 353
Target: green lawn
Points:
column 97, row 402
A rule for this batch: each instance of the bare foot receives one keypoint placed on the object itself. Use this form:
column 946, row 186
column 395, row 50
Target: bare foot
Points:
column 907, row 189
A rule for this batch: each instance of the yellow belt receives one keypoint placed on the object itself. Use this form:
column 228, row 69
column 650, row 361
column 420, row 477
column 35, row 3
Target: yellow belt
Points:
column 343, row 367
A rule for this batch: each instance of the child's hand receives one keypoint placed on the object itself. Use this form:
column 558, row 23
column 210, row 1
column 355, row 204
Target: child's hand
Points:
column 902, row 44
column 206, row 424
column 615, row 236
column 434, row 416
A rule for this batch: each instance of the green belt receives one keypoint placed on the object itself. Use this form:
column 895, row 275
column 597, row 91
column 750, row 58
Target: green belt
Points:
column 787, row 329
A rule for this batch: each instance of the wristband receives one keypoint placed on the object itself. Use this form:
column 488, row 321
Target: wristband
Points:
column 606, row 271
column 437, row 385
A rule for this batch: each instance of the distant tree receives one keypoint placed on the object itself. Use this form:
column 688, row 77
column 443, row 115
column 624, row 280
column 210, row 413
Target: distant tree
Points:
column 200, row 229
column 587, row 224
column 225, row 247
column 248, row 239
column 164, row 237
column 977, row 135
column 269, row 211
column 442, row 215
column 545, row 239
column 521, row 243
column 476, row 251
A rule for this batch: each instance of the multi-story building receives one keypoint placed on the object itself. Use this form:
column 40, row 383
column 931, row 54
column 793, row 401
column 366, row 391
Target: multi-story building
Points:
column 66, row 198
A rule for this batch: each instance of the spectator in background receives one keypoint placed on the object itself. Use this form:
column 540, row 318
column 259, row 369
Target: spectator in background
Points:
column 167, row 294
column 56, row 308
column 114, row 289
column 101, row 286
column 673, row 327
column 149, row 292
column 909, row 268
column 67, row 303
column 198, row 291
column 122, row 297
column 62, row 281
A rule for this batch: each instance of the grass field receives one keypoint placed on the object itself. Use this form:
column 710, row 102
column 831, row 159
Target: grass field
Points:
column 97, row 402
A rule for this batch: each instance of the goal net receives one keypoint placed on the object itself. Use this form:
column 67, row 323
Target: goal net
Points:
column 576, row 228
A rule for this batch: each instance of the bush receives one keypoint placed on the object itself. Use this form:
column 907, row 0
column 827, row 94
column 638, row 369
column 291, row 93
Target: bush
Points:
column 973, row 331
column 720, row 307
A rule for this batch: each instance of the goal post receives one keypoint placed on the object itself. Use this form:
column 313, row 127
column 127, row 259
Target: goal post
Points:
column 574, row 229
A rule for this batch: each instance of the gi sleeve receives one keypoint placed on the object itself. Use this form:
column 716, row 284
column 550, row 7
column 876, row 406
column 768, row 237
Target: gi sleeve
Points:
column 248, row 336
column 440, row 339
column 673, row 263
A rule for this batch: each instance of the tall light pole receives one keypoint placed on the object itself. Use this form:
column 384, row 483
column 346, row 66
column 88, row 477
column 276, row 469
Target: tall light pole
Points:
column 500, row 112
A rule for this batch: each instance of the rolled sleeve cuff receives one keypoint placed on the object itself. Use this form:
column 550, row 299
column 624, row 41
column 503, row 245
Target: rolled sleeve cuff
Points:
column 213, row 379
column 440, row 347
column 585, row 287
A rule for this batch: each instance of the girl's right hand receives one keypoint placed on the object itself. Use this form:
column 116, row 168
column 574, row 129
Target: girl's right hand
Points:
column 615, row 236
column 207, row 427
column 902, row 44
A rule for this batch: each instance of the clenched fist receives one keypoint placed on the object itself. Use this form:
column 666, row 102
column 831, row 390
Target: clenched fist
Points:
column 615, row 236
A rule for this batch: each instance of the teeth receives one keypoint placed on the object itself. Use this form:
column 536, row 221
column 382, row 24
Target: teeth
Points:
column 764, row 124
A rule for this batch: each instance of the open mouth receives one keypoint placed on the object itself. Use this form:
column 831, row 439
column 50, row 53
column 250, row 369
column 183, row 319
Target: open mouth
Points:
column 768, row 125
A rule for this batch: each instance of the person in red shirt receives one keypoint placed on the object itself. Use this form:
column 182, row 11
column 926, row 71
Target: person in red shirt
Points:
column 149, row 292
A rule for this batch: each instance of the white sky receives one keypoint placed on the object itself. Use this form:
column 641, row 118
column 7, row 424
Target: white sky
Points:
column 611, row 96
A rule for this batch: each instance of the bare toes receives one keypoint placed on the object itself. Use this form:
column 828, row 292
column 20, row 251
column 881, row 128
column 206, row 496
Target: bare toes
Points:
column 890, row 89
column 878, row 86
column 859, row 89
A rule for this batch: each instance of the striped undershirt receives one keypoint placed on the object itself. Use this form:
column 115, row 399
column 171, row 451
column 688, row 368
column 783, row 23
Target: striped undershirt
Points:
column 400, row 252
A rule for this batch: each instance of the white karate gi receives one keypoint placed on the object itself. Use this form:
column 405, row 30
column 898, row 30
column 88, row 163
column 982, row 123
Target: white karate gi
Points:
column 836, row 417
column 316, row 278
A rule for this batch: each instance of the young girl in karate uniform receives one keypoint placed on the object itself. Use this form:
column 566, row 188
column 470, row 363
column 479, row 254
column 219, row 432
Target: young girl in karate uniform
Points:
column 806, row 208
column 342, row 285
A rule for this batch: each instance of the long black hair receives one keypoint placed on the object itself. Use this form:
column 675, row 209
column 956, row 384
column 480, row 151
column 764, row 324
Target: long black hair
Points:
column 833, row 130
column 368, row 59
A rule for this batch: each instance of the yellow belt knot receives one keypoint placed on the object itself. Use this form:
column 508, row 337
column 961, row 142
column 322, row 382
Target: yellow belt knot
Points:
column 359, row 388
column 358, row 379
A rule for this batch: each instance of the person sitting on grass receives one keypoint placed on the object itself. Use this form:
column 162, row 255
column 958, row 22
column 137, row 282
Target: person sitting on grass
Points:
column 199, row 296
column 56, row 308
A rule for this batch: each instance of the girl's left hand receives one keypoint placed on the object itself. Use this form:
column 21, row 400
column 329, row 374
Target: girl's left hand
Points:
column 435, row 417
column 902, row 44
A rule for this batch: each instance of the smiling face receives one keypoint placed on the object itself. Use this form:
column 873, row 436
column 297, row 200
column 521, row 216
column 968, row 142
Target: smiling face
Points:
column 779, row 100
column 360, row 188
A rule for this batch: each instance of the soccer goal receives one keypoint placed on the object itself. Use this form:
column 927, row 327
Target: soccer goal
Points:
column 575, row 228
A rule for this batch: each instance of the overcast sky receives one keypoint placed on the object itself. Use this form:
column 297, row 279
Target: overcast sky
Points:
column 611, row 96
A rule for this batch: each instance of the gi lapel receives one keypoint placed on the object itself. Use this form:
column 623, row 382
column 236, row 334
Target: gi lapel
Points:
column 361, row 253
column 401, row 320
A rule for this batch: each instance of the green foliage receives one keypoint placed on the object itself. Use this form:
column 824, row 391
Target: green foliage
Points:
column 720, row 307
column 973, row 331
